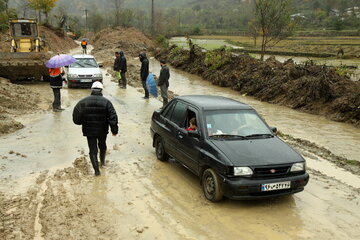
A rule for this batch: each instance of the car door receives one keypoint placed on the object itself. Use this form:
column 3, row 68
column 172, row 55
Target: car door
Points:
column 189, row 146
column 172, row 126
column 166, row 129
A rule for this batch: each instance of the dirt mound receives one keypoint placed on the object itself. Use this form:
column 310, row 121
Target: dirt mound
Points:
column 307, row 87
column 14, row 100
column 129, row 40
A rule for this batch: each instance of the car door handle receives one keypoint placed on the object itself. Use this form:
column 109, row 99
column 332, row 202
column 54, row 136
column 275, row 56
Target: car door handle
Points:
column 180, row 135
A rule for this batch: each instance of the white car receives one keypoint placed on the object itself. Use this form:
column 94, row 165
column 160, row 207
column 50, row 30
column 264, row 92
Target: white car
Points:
column 84, row 71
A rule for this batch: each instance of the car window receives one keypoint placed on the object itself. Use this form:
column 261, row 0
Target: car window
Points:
column 235, row 122
column 168, row 110
column 84, row 63
column 178, row 114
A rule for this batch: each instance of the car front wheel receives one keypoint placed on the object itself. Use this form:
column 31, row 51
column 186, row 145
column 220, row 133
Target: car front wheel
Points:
column 211, row 185
column 160, row 150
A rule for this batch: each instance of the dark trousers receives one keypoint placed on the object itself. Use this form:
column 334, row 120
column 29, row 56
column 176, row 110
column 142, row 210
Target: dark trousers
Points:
column 123, row 79
column 94, row 142
column 145, row 88
column 57, row 97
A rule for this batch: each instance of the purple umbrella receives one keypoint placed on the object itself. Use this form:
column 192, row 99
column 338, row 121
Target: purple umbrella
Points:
column 60, row 60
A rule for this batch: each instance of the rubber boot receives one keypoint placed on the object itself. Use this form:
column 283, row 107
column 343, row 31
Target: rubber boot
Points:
column 102, row 157
column 95, row 164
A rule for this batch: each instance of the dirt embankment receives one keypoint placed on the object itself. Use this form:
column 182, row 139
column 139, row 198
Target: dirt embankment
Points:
column 307, row 87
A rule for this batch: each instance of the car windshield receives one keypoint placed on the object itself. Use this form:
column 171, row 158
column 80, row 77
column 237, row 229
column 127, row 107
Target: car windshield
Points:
column 241, row 124
column 84, row 63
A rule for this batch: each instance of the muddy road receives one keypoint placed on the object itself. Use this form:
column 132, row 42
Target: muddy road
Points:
column 48, row 191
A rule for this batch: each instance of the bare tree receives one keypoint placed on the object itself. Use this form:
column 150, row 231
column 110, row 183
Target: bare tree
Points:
column 274, row 21
column 118, row 5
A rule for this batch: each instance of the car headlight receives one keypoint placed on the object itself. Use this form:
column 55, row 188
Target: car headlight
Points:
column 97, row 75
column 242, row 171
column 298, row 167
column 72, row 75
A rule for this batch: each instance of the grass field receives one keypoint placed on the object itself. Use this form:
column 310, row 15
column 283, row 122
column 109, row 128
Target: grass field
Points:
column 350, row 45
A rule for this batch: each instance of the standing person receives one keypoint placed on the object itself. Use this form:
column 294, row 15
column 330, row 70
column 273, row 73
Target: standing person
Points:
column 116, row 67
column 56, row 81
column 96, row 113
column 84, row 45
column 144, row 72
column 123, row 68
column 164, row 81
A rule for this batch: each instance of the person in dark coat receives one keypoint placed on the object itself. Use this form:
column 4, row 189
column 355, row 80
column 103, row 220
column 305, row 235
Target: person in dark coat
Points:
column 144, row 72
column 96, row 113
column 163, row 81
column 56, row 82
column 116, row 67
column 123, row 68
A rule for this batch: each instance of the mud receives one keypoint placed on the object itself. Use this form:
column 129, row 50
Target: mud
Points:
column 48, row 191
column 307, row 87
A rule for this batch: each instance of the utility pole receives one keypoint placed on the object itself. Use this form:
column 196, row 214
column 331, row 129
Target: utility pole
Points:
column 86, row 11
column 152, row 17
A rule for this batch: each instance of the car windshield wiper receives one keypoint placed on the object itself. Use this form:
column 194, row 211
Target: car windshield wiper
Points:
column 228, row 136
column 263, row 135
column 91, row 65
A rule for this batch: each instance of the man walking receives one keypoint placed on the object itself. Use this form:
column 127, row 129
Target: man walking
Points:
column 116, row 67
column 123, row 68
column 163, row 82
column 144, row 72
column 96, row 113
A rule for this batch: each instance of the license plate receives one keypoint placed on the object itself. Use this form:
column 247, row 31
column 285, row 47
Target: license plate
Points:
column 275, row 186
column 85, row 80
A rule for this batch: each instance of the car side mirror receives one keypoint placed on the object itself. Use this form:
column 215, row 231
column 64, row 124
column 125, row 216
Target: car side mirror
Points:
column 100, row 65
column 274, row 129
column 66, row 66
column 194, row 134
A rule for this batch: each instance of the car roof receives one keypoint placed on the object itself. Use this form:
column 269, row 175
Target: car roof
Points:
column 210, row 102
column 83, row 56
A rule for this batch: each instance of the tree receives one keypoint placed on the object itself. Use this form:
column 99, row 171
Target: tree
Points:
column 274, row 21
column 44, row 6
column 117, row 4
column 253, row 29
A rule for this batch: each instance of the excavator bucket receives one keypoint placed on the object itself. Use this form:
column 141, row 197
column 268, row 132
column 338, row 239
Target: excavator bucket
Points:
column 17, row 66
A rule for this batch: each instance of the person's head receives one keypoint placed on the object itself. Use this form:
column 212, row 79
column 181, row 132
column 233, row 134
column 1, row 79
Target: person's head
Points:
column 97, row 86
column 142, row 56
column 121, row 53
column 193, row 124
column 117, row 54
column 162, row 62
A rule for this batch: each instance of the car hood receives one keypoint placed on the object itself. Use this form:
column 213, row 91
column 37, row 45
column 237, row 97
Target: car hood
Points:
column 256, row 152
column 84, row 71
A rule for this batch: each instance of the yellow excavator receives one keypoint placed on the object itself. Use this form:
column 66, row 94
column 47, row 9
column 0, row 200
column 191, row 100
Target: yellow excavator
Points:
column 28, row 54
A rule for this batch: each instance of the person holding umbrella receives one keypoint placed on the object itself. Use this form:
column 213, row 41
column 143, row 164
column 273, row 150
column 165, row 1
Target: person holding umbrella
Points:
column 56, row 77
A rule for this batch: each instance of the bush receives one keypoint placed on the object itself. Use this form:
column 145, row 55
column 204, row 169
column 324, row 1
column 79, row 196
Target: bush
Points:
column 162, row 41
column 217, row 58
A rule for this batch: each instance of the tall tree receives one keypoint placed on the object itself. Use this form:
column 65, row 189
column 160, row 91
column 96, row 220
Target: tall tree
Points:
column 44, row 6
column 118, row 5
column 274, row 21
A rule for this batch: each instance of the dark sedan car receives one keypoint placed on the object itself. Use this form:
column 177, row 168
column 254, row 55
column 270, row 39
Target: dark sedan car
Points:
column 233, row 151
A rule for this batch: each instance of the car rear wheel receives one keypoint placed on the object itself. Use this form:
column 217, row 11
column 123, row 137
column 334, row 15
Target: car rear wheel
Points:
column 211, row 185
column 160, row 150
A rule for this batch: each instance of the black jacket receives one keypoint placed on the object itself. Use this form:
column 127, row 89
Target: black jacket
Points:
column 164, row 76
column 95, row 113
column 123, row 65
column 117, row 64
column 144, row 70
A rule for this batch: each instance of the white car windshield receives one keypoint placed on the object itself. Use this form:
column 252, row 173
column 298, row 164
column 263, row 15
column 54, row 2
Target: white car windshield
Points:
column 236, row 123
column 84, row 63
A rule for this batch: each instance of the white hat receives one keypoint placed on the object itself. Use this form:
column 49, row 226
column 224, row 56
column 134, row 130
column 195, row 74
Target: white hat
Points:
column 97, row 85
